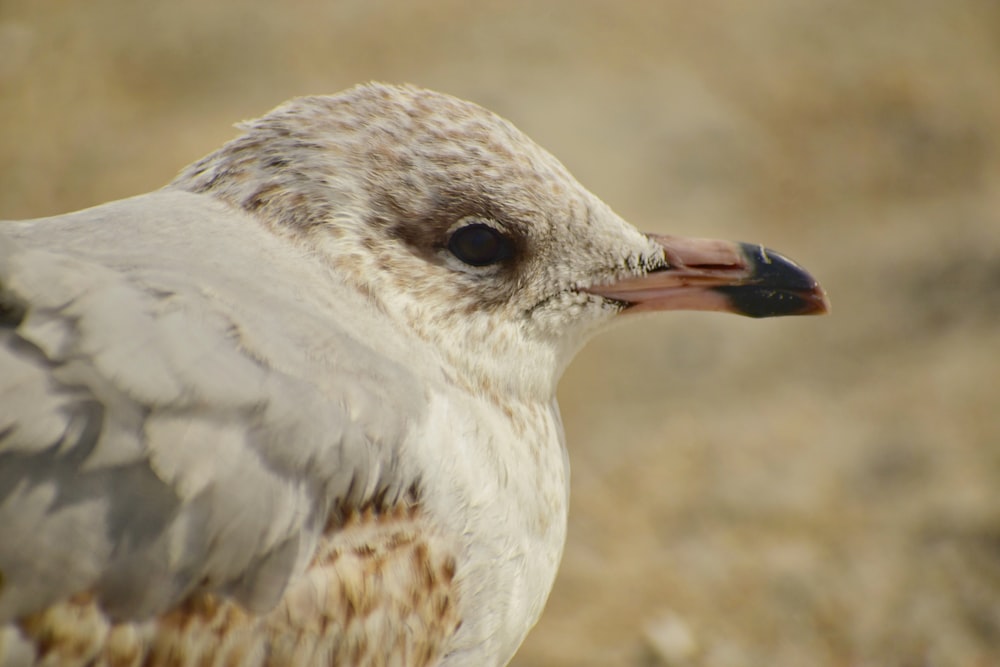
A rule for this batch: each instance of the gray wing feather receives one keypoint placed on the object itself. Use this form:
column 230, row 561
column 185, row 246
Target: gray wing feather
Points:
column 157, row 435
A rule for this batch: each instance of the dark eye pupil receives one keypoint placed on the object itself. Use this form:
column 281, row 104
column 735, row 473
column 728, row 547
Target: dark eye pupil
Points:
column 479, row 245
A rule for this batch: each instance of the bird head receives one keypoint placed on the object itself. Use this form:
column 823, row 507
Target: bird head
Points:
column 469, row 235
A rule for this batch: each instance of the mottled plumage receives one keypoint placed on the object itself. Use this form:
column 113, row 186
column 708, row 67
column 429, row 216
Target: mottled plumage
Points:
column 298, row 406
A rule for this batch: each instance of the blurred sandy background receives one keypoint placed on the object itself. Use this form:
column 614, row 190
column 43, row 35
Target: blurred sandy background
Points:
column 792, row 492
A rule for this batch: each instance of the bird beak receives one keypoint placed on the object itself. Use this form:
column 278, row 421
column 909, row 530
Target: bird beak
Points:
column 706, row 274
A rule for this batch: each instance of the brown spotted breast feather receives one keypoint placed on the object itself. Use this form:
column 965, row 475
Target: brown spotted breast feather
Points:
column 380, row 590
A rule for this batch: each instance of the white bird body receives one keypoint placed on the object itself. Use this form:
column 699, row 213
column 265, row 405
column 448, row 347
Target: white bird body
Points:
column 272, row 414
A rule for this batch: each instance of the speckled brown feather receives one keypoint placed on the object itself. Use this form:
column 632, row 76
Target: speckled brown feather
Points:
column 380, row 590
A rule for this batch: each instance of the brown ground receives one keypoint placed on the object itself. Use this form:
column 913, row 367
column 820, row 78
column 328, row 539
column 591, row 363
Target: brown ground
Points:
column 819, row 491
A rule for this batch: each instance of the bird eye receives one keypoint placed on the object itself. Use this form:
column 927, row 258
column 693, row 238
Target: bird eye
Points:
column 479, row 245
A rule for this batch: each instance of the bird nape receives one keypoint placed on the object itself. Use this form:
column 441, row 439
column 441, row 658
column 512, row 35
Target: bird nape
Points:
column 297, row 407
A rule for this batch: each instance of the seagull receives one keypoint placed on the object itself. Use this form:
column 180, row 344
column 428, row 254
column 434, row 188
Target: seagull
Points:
column 298, row 406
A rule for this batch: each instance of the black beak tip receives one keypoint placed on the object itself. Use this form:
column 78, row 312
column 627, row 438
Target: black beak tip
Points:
column 776, row 287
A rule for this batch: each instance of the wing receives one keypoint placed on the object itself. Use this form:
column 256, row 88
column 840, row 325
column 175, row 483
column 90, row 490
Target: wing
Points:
column 179, row 410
